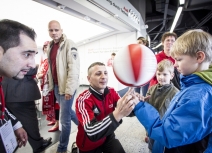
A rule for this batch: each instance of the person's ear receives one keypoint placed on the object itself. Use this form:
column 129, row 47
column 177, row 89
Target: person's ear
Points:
column 200, row 56
column 88, row 77
column 172, row 76
column 1, row 52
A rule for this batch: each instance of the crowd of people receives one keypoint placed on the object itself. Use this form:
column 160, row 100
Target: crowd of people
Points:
column 175, row 110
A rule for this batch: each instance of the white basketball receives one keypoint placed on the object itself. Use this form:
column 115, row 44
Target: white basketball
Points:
column 135, row 65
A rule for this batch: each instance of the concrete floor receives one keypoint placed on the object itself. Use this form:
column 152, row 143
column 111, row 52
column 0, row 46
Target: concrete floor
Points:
column 131, row 135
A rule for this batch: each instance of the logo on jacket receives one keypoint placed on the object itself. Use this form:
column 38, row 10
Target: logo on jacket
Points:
column 96, row 111
column 74, row 55
column 111, row 106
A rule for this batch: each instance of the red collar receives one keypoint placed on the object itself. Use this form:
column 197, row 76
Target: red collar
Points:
column 2, row 102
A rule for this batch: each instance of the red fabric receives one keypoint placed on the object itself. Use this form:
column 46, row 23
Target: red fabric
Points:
column 110, row 62
column 48, row 103
column 135, row 54
column 84, row 105
column 53, row 55
column 44, row 66
column 160, row 56
column 2, row 101
column 56, row 106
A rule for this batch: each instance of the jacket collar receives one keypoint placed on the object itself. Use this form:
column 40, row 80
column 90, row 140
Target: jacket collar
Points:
column 97, row 94
column 189, row 80
column 62, row 39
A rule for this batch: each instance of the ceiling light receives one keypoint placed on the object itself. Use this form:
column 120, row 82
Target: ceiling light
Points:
column 179, row 10
column 144, row 26
column 182, row 2
column 61, row 7
column 87, row 18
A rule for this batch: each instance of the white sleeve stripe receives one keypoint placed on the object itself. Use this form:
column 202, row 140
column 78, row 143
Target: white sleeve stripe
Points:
column 100, row 129
column 107, row 119
column 85, row 116
column 100, row 125
column 81, row 106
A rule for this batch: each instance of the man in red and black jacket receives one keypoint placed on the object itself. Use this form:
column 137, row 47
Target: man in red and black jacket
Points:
column 99, row 111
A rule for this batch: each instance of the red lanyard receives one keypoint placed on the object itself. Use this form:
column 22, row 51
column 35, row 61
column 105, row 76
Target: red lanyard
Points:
column 2, row 102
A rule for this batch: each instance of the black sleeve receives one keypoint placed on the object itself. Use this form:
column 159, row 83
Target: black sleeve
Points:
column 99, row 129
column 10, row 116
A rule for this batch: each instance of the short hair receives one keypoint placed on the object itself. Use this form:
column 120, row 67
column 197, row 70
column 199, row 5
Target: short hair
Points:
column 10, row 33
column 141, row 38
column 167, row 34
column 94, row 64
column 165, row 65
column 113, row 54
column 191, row 42
column 144, row 40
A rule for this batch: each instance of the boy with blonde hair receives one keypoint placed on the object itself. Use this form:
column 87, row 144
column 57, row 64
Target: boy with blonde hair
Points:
column 162, row 93
column 186, row 126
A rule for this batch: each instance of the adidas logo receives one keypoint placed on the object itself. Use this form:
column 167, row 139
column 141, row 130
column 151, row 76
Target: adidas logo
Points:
column 96, row 111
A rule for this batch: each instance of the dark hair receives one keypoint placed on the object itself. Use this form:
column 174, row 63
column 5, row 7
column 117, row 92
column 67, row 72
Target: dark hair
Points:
column 10, row 33
column 145, row 41
column 167, row 34
column 114, row 54
column 141, row 38
column 94, row 64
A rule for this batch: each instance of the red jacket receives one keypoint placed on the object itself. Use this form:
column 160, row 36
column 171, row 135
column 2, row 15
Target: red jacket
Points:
column 96, row 121
column 160, row 56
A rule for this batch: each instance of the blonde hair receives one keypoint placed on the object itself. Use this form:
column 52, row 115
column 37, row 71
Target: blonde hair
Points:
column 165, row 65
column 191, row 42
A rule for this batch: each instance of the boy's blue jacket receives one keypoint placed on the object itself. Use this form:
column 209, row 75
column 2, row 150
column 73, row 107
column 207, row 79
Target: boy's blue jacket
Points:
column 188, row 118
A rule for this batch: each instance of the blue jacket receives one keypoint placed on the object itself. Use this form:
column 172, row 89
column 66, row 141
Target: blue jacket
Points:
column 188, row 118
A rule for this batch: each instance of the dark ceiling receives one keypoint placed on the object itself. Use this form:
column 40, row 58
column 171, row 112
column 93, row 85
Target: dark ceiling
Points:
column 159, row 15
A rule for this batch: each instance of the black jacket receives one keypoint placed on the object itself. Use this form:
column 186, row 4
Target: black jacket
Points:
column 23, row 90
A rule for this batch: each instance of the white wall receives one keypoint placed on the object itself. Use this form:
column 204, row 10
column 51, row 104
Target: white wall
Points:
column 100, row 51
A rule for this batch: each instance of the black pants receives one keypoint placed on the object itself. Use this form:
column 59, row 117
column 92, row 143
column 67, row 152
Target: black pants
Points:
column 26, row 114
column 111, row 145
column 57, row 114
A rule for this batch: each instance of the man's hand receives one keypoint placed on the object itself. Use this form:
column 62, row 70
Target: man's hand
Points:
column 125, row 105
column 21, row 137
column 67, row 96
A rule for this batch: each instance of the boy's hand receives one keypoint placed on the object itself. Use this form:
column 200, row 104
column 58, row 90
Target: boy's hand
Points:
column 138, row 97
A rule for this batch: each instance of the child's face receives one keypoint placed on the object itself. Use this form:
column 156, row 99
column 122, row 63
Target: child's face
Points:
column 164, row 77
column 186, row 64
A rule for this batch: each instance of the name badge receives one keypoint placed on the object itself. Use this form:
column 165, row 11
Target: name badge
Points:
column 8, row 137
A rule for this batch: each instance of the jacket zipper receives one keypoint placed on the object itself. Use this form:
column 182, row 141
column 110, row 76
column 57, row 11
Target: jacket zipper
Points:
column 104, row 106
